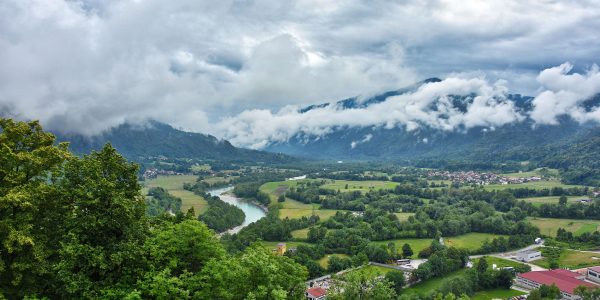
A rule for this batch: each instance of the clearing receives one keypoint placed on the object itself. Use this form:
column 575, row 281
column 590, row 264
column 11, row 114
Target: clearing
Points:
column 549, row 226
column 174, row 185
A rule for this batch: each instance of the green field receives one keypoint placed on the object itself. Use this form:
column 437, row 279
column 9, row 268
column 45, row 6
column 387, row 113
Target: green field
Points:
column 370, row 271
column 426, row 287
column 294, row 210
column 572, row 260
column 544, row 184
column 536, row 172
column 403, row 216
column 276, row 188
column 363, row 186
column 324, row 261
column 272, row 245
column 496, row 294
column 174, row 184
column 300, row 233
column 549, row 226
column 471, row 241
column 537, row 201
column 499, row 262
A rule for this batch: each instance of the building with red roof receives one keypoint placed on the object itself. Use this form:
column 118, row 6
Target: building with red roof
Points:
column 593, row 274
column 315, row 293
column 565, row 280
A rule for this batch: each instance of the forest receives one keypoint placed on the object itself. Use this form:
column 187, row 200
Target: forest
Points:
column 76, row 228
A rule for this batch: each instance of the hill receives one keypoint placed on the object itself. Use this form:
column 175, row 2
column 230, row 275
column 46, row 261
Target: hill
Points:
column 157, row 139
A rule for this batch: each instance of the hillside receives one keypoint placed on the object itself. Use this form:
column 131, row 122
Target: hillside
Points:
column 158, row 139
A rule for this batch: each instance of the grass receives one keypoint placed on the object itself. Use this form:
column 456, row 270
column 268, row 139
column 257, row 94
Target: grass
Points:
column 174, row 184
column 271, row 245
column 499, row 262
column 543, row 184
column 538, row 201
column 426, row 287
column 295, row 210
column 471, row 241
column 324, row 261
column 572, row 260
column 403, row 216
column 363, row 186
column 300, row 233
column 549, row 226
column 496, row 294
column 369, row 271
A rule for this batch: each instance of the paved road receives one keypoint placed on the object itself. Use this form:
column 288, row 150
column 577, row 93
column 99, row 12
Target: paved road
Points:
column 510, row 255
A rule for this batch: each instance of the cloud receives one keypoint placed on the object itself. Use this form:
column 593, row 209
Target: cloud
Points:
column 430, row 105
column 564, row 94
column 366, row 139
column 86, row 65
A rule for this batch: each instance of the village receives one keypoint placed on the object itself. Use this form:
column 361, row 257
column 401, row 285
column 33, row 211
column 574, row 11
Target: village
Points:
column 472, row 177
column 567, row 281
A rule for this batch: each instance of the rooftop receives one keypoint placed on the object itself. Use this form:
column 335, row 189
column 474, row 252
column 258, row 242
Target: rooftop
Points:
column 316, row 292
column 565, row 280
column 596, row 268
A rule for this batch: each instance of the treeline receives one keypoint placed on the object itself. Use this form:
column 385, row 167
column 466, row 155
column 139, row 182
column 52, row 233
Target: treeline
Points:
column 76, row 228
column 251, row 190
column 160, row 201
column 221, row 215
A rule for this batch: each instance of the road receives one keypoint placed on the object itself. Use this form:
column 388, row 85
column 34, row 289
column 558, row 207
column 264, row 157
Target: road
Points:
column 510, row 255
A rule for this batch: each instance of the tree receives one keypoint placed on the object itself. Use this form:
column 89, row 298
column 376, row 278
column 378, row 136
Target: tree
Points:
column 281, row 198
column 587, row 293
column 482, row 265
column 550, row 291
column 358, row 285
column 562, row 200
column 31, row 211
column 535, row 295
column 106, row 228
column 407, row 251
column 396, row 278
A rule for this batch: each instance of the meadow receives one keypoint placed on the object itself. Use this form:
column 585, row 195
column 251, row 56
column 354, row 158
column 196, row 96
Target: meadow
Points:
column 470, row 241
column 538, row 201
column 174, row 185
column 572, row 259
column 549, row 226
column 363, row 186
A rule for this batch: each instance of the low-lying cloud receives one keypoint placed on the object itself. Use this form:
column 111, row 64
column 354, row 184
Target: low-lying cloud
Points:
column 84, row 66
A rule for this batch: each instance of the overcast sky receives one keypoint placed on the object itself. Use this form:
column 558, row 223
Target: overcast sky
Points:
column 231, row 68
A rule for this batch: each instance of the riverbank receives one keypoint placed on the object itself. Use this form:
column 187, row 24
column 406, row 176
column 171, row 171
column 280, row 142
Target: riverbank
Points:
column 253, row 211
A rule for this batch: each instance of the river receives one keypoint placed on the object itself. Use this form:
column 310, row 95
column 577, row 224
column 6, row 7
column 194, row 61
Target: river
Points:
column 252, row 211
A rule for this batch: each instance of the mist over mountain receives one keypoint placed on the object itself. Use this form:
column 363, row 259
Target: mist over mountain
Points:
column 155, row 139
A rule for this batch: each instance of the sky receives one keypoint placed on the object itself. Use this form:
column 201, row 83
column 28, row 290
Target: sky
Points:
column 241, row 69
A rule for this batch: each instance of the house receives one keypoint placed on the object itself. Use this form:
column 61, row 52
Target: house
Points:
column 565, row 280
column 315, row 293
column 593, row 274
column 529, row 255
column 280, row 250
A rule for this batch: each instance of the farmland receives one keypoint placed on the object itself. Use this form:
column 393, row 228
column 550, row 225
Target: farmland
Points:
column 549, row 226
column 174, row 185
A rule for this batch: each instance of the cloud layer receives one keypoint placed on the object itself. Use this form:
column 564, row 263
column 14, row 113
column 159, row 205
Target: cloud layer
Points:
column 217, row 66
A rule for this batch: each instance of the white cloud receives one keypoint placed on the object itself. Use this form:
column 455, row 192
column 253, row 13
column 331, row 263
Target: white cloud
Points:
column 86, row 65
column 564, row 93
column 430, row 105
column 366, row 139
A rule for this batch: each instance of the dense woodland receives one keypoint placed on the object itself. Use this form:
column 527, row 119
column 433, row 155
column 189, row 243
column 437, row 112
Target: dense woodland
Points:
column 76, row 228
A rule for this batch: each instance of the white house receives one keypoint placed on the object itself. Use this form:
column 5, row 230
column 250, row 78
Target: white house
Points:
column 593, row 274
column 529, row 255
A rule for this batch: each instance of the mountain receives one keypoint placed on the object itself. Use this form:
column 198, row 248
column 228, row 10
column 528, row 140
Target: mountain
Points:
column 157, row 139
column 517, row 142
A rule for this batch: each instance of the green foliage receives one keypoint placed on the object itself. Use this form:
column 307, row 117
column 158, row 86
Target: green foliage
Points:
column 29, row 163
column 407, row 251
column 358, row 286
column 161, row 202
column 220, row 215
column 396, row 278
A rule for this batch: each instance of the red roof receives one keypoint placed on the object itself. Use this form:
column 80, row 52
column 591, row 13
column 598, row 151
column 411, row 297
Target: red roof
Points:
column 317, row 292
column 565, row 280
column 597, row 268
